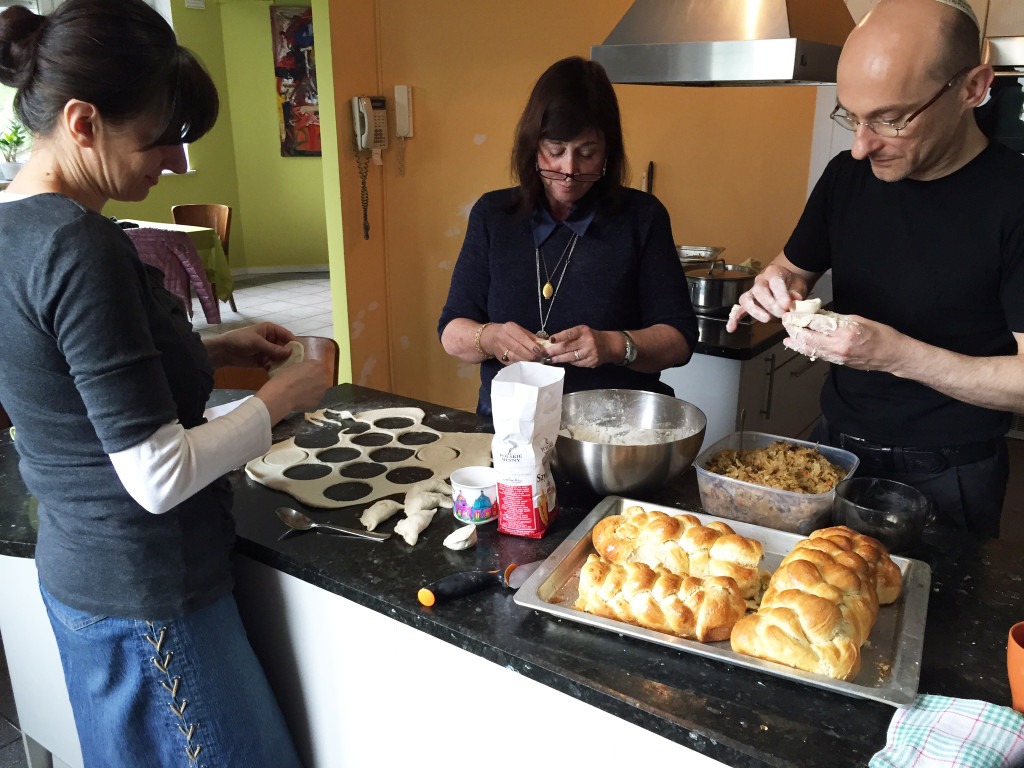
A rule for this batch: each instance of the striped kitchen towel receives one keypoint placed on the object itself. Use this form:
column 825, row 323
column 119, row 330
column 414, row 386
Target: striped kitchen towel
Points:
column 941, row 732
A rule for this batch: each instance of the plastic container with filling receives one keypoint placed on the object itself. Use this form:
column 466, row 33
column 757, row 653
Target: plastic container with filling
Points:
column 758, row 504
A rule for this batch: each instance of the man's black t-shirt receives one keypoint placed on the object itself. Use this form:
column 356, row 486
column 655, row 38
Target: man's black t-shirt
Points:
column 941, row 261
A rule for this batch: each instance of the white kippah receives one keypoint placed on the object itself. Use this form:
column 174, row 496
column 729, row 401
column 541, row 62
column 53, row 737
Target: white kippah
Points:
column 963, row 7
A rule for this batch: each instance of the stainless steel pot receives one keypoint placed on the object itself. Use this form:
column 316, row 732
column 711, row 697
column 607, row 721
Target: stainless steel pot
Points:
column 715, row 288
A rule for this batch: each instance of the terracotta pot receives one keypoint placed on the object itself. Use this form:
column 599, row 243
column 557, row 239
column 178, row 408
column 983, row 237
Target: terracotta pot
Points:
column 1015, row 665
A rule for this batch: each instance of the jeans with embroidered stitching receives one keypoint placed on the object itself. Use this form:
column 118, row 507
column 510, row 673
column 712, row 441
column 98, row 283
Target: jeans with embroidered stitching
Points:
column 186, row 692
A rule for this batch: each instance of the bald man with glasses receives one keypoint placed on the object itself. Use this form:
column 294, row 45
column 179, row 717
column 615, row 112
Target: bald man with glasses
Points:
column 922, row 225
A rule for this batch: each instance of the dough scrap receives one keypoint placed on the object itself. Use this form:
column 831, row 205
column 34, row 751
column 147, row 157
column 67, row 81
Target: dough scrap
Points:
column 420, row 499
column 411, row 526
column 378, row 512
column 297, row 354
column 433, row 485
column 461, row 538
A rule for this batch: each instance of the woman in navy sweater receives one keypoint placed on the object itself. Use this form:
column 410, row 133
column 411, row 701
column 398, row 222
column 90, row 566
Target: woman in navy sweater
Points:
column 570, row 267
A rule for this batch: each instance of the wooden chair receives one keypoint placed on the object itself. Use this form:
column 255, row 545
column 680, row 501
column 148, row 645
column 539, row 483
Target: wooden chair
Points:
column 316, row 347
column 213, row 215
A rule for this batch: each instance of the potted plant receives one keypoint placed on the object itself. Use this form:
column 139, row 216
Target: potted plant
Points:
column 12, row 141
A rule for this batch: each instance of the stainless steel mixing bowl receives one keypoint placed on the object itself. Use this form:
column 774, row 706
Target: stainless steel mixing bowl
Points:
column 887, row 510
column 621, row 441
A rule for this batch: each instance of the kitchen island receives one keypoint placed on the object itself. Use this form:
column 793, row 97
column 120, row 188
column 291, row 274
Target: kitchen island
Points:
column 363, row 669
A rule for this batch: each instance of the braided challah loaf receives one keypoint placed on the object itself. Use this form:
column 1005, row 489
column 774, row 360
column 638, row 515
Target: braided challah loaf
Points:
column 680, row 544
column 886, row 574
column 821, row 604
column 689, row 607
column 800, row 630
column 852, row 593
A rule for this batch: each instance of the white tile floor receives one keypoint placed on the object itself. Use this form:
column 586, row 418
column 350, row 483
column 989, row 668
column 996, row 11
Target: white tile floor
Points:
column 299, row 301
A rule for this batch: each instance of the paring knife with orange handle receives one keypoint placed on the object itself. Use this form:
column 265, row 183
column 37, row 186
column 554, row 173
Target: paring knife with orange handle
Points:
column 467, row 582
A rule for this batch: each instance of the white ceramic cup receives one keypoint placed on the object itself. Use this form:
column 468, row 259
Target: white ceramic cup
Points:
column 475, row 493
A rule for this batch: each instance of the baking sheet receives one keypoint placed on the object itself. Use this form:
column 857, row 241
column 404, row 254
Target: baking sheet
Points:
column 890, row 660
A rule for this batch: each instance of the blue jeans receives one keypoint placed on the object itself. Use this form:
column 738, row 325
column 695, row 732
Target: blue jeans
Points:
column 185, row 692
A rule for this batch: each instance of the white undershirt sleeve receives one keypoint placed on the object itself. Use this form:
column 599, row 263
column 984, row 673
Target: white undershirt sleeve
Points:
column 174, row 463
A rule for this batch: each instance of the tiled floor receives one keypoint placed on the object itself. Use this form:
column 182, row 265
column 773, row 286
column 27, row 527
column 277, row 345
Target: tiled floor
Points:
column 301, row 303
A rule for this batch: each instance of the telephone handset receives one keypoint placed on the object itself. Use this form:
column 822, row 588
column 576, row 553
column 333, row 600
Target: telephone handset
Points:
column 370, row 122
column 370, row 126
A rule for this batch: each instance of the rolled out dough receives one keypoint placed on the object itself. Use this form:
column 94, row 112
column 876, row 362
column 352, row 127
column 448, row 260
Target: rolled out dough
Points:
column 427, row 458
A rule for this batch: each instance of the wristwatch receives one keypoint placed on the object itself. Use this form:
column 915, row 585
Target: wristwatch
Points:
column 631, row 350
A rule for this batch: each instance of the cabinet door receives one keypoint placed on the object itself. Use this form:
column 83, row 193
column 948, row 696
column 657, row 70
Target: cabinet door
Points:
column 779, row 392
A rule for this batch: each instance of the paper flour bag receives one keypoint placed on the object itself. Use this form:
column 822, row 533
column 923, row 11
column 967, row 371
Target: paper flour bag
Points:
column 526, row 399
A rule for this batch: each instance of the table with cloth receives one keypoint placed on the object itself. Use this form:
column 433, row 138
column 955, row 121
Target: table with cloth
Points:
column 210, row 251
column 174, row 254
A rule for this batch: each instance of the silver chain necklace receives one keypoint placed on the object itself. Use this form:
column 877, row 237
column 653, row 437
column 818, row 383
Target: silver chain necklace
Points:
column 543, row 290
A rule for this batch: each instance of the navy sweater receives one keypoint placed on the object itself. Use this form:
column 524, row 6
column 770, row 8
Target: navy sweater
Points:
column 624, row 274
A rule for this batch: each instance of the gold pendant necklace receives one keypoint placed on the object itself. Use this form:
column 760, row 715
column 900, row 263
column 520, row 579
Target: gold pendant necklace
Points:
column 547, row 290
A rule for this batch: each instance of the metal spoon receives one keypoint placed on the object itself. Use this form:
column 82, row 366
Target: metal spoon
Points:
column 300, row 522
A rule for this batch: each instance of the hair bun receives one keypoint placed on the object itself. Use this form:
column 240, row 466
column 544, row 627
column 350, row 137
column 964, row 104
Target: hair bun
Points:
column 19, row 30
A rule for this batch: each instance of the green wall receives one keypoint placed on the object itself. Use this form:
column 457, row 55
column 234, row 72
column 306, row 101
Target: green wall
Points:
column 278, row 220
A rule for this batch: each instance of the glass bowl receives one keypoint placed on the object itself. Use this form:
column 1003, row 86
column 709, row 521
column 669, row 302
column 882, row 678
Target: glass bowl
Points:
column 892, row 512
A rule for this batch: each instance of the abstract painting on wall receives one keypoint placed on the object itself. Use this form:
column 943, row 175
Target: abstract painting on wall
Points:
column 295, row 69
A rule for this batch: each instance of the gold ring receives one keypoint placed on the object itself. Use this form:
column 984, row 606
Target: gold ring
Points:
column 577, row 355
column 504, row 357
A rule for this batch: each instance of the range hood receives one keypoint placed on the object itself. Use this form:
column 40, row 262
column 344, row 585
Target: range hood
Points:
column 727, row 42
column 1003, row 45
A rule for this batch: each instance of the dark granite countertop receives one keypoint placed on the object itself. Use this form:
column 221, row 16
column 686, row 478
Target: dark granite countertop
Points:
column 748, row 341
column 735, row 715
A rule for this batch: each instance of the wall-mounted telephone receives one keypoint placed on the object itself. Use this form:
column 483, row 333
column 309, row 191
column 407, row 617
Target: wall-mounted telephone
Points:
column 370, row 126
column 370, row 122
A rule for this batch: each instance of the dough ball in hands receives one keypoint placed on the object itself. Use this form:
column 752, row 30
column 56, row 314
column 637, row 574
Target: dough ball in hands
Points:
column 809, row 314
column 296, row 354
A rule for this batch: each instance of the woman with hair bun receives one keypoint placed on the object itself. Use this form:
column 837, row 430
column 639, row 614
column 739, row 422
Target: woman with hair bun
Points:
column 107, row 384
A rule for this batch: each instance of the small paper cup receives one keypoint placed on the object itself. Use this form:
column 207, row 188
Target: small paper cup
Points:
column 475, row 493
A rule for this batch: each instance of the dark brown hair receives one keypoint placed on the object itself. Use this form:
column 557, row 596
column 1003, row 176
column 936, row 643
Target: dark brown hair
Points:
column 121, row 56
column 961, row 44
column 571, row 96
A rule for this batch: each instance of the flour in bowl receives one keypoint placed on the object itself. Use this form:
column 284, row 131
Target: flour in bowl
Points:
column 618, row 434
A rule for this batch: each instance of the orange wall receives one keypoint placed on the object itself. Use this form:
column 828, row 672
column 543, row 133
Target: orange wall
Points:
column 731, row 164
column 354, row 46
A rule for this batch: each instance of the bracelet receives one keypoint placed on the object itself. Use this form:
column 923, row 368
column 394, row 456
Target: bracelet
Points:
column 476, row 341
